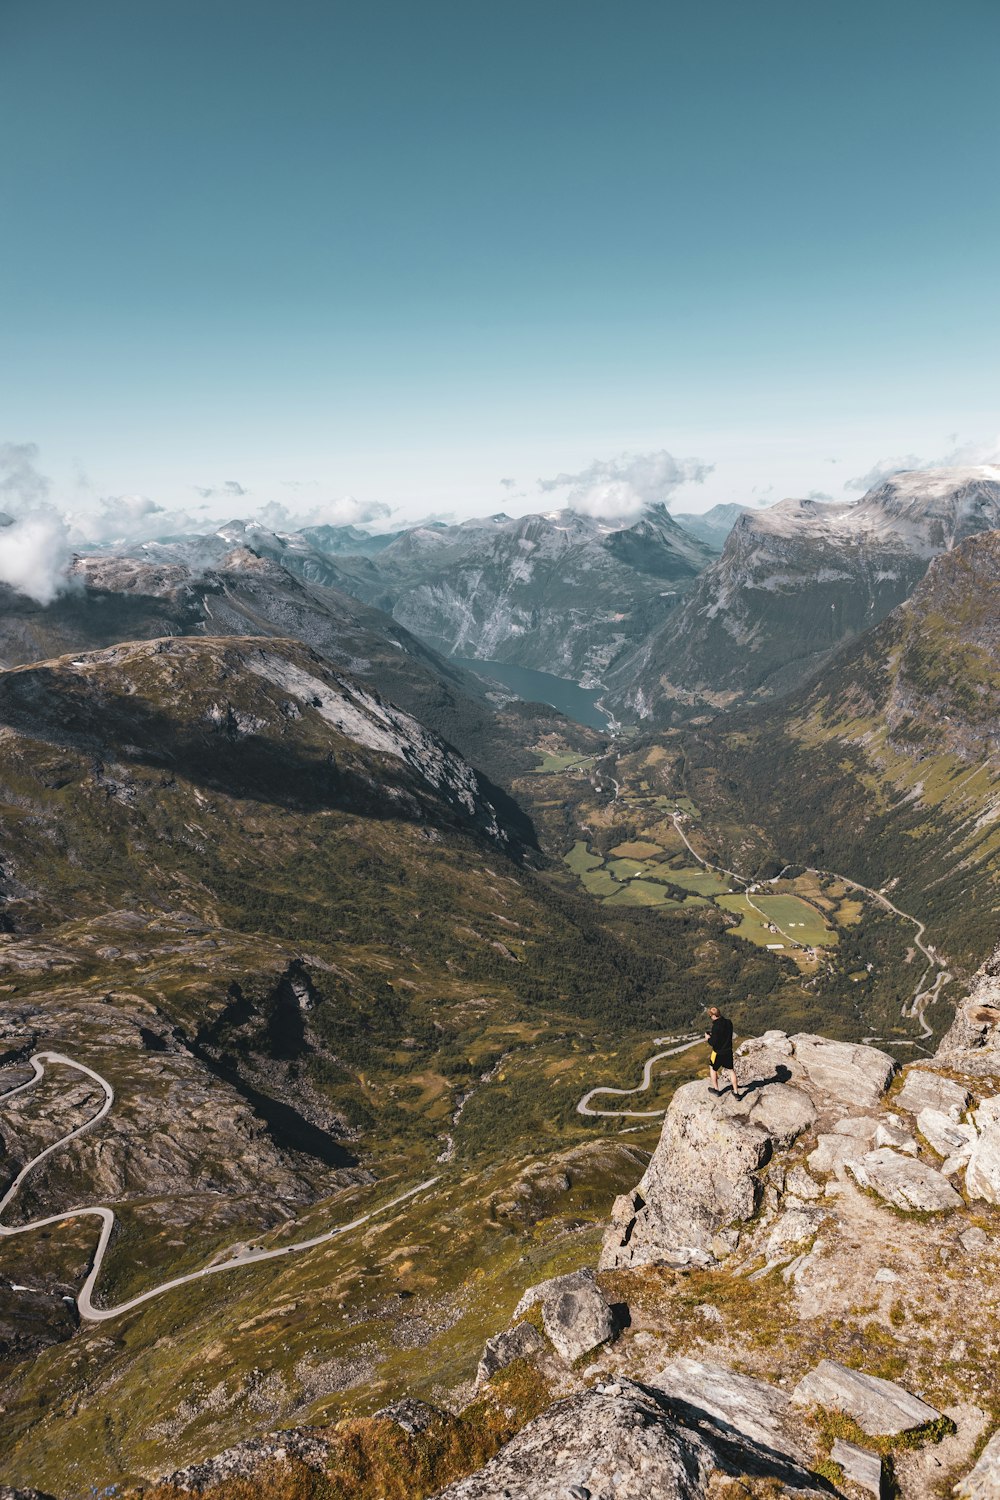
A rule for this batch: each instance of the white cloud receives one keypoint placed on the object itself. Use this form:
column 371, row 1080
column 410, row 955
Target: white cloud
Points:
column 231, row 488
column 35, row 554
column 622, row 488
column 883, row 469
column 35, row 551
column 962, row 454
column 347, row 510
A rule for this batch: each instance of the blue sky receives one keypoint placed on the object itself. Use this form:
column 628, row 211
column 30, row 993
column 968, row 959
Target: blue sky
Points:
column 403, row 251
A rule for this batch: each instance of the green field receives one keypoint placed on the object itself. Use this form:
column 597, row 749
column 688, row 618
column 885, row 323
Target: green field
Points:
column 560, row 760
column 580, row 858
column 798, row 920
column 600, row 883
column 752, row 926
column 640, row 893
column 694, row 878
column 628, row 869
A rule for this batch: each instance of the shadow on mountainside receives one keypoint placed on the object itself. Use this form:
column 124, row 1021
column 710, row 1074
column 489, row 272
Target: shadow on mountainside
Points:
column 283, row 770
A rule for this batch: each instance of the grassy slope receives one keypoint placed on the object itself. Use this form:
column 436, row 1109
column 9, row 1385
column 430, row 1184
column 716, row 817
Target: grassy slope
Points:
column 144, row 882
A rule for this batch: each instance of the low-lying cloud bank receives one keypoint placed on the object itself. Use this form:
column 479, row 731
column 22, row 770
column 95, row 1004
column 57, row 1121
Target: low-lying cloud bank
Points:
column 621, row 488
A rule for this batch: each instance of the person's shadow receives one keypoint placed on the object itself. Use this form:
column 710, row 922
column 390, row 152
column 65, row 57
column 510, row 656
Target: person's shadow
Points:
column 781, row 1074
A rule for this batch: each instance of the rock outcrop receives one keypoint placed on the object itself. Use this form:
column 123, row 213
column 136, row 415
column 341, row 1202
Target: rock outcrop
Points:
column 523, row 1341
column 620, row 1440
column 575, row 1315
column 704, row 1175
column 982, row 1177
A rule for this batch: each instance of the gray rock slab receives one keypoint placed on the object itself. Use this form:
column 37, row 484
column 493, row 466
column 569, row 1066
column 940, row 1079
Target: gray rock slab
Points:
column 796, row 1225
column 982, row 1176
column 905, row 1182
column 892, row 1132
column 947, row 1136
column 983, row 1481
column 880, row 1407
column 861, row 1127
column 619, row 1442
column 844, row 1071
column 802, row 1185
column 523, row 1341
column 833, row 1152
column 759, row 1412
column 974, row 1240
column 860, row 1465
column 923, row 1089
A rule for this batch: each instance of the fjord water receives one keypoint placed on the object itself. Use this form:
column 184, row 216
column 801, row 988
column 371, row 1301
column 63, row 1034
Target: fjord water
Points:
column 568, row 697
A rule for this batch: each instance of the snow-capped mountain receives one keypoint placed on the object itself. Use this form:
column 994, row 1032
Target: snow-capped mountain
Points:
column 793, row 583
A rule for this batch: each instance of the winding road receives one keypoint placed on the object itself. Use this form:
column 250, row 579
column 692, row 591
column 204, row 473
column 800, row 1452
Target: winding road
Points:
column 923, row 996
column 583, row 1108
column 84, row 1300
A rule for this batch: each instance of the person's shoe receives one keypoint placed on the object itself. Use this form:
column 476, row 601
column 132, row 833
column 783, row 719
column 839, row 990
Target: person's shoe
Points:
column 716, row 1092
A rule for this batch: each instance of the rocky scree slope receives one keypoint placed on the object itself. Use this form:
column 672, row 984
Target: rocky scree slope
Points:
column 793, row 584
column 891, row 754
column 560, row 592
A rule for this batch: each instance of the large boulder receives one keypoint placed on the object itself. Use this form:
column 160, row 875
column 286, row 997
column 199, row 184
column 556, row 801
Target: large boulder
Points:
column 617, row 1441
column 982, row 1176
column 575, row 1314
column 831, row 1073
column 855, row 1075
column 703, row 1175
column 880, row 1407
column 972, row 1044
column 624, row 1441
column 906, row 1183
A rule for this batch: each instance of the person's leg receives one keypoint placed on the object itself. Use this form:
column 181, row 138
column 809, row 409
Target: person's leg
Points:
column 713, row 1079
column 736, row 1087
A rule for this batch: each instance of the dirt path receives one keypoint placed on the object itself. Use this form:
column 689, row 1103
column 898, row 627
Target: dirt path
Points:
column 106, row 1216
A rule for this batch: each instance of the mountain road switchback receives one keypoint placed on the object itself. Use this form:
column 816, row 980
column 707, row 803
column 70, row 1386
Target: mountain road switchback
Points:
column 106, row 1216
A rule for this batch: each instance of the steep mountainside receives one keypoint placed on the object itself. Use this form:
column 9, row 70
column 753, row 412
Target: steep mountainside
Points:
column 793, row 584
column 711, row 526
column 561, row 592
column 218, row 586
column 887, row 766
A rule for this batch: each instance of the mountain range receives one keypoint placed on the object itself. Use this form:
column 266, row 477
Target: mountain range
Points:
column 367, row 956
column 793, row 584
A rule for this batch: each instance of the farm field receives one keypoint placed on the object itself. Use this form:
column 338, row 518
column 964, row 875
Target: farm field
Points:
column 797, row 919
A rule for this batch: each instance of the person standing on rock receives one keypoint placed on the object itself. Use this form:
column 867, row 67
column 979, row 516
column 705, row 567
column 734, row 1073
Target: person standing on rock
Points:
column 720, row 1040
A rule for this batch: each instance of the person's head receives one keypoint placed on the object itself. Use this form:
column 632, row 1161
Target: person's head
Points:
column 714, row 1012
